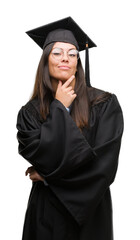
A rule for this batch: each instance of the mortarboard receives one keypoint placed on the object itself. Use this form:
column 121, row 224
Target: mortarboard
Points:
column 64, row 30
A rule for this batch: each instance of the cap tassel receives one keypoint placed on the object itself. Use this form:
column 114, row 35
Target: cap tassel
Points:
column 87, row 71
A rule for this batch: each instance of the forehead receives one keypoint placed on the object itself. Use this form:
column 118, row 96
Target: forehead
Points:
column 64, row 45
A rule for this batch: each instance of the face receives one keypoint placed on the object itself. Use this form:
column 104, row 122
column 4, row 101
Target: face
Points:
column 62, row 68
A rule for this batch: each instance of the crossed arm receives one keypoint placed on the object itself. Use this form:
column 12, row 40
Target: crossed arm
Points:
column 66, row 95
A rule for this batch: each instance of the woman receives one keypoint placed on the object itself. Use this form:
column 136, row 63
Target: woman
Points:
column 71, row 133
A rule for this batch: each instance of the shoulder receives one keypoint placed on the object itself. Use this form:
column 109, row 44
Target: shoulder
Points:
column 32, row 108
column 103, row 101
column 32, row 104
column 97, row 96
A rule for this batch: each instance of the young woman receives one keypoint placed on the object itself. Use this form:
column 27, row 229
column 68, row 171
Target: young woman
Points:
column 71, row 134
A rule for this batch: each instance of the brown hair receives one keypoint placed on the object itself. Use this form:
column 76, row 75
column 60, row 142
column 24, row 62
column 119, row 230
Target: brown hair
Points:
column 44, row 91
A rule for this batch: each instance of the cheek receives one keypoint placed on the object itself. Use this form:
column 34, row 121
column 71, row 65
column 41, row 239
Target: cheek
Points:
column 52, row 67
column 74, row 69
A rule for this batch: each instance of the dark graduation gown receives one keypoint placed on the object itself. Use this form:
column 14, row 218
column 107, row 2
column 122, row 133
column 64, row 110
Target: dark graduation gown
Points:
column 74, row 203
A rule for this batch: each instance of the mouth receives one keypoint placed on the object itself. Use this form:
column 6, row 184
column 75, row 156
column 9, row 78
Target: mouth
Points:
column 64, row 67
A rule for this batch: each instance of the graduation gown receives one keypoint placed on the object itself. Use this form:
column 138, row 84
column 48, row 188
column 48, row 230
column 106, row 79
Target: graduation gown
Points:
column 74, row 202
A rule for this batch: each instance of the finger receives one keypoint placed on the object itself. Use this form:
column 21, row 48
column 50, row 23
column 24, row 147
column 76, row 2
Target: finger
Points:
column 36, row 177
column 67, row 83
column 32, row 173
column 29, row 170
column 71, row 92
column 74, row 96
column 68, row 89
column 59, row 84
column 33, row 176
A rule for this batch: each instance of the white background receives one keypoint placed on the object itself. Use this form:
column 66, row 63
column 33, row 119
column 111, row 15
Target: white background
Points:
column 115, row 27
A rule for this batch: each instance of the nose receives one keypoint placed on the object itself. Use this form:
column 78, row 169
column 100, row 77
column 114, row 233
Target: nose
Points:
column 65, row 56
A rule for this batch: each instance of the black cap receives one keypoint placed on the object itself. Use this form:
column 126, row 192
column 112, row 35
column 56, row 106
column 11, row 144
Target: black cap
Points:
column 64, row 30
column 61, row 35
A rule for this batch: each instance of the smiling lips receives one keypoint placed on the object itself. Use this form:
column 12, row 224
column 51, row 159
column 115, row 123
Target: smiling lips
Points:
column 64, row 67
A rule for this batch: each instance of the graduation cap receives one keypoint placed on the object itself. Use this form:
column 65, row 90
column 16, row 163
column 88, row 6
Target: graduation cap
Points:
column 64, row 30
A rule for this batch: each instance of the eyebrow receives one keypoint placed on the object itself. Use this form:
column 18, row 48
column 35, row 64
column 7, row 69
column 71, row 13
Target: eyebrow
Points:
column 64, row 49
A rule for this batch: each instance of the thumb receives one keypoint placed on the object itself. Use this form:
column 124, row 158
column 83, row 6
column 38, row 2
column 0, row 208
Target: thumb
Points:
column 59, row 84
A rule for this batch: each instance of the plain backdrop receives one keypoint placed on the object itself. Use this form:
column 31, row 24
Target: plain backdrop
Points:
column 114, row 66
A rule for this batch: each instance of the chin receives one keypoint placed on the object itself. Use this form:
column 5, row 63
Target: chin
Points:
column 65, row 76
column 63, row 79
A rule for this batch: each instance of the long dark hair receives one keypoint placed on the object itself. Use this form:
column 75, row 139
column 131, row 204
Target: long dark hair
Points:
column 44, row 92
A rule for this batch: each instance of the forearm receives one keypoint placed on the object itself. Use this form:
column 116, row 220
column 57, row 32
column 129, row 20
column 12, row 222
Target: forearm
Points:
column 58, row 146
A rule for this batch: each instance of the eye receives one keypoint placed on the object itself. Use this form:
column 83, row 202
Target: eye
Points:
column 57, row 52
column 73, row 53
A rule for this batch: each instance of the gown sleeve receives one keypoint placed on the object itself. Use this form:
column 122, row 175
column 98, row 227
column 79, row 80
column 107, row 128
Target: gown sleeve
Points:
column 77, row 173
column 54, row 147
